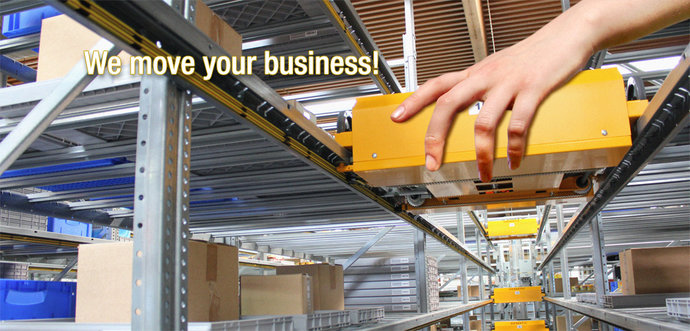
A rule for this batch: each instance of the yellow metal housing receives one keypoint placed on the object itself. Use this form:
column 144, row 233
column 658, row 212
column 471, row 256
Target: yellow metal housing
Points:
column 512, row 229
column 511, row 205
column 344, row 139
column 583, row 125
column 517, row 294
column 539, row 325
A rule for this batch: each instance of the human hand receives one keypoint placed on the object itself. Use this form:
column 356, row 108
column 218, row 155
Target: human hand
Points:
column 521, row 75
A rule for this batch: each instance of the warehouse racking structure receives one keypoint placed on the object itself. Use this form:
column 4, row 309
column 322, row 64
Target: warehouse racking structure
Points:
column 238, row 129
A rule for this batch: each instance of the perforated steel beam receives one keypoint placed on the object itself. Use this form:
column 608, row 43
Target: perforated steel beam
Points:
column 161, row 207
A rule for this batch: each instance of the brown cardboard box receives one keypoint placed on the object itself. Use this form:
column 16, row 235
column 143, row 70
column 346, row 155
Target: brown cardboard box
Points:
column 213, row 282
column 217, row 29
column 104, row 283
column 560, row 323
column 63, row 41
column 655, row 270
column 62, row 44
column 476, row 325
column 559, row 283
column 473, row 291
column 327, row 284
column 276, row 295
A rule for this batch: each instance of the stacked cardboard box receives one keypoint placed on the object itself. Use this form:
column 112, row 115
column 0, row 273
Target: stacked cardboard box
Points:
column 472, row 292
column 63, row 41
column 476, row 325
column 104, row 283
column 326, row 283
column 389, row 283
column 655, row 270
column 559, row 283
column 276, row 295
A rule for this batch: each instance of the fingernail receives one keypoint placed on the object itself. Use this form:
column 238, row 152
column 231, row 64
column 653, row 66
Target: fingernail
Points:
column 485, row 178
column 431, row 162
column 397, row 113
column 510, row 165
column 515, row 164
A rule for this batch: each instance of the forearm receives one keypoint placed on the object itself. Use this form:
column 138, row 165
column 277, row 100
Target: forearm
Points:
column 600, row 24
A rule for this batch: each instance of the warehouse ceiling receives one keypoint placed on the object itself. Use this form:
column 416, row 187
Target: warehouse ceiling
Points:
column 442, row 38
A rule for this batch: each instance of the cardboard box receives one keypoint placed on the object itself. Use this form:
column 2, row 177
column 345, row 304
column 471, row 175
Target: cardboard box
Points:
column 559, row 283
column 473, row 291
column 104, row 283
column 276, row 295
column 560, row 323
column 213, row 282
column 62, row 45
column 63, row 41
column 327, row 284
column 476, row 325
column 655, row 270
column 217, row 29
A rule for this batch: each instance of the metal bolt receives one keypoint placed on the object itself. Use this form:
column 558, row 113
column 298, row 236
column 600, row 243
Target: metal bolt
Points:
column 374, row 155
column 604, row 132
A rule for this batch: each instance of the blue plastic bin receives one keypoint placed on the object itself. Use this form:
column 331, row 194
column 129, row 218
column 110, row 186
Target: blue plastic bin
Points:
column 104, row 232
column 26, row 22
column 613, row 285
column 32, row 299
column 74, row 228
column 101, row 232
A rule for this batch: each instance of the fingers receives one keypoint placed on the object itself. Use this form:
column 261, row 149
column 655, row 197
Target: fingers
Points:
column 485, row 130
column 458, row 98
column 427, row 94
column 523, row 112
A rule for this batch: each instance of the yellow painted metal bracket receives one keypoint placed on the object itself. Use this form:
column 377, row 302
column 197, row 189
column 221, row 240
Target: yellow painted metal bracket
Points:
column 635, row 110
column 539, row 325
column 517, row 294
column 512, row 229
column 345, row 139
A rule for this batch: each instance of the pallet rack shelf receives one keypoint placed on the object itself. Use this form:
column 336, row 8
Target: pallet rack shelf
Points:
column 627, row 318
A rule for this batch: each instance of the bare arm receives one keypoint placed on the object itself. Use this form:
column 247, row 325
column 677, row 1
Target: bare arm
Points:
column 524, row 74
